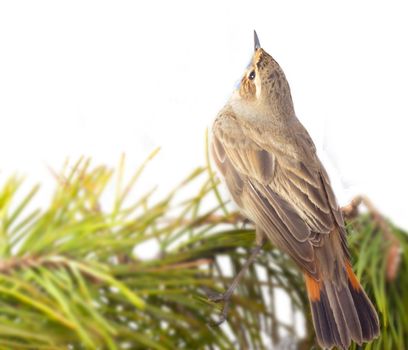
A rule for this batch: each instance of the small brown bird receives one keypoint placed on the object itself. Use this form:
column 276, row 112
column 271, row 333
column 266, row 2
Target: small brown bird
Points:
column 271, row 169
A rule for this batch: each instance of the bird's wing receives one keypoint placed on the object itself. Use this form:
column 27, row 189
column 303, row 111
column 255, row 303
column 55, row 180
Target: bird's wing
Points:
column 291, row 201
column 299, row 176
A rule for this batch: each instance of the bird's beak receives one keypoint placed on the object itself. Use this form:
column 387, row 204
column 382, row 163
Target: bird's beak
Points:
column 256, row 41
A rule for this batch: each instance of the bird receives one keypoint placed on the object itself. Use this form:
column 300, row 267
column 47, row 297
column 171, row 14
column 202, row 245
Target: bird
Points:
column 270, row 166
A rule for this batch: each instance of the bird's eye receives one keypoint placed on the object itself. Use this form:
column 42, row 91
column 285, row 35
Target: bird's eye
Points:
column 251, row 75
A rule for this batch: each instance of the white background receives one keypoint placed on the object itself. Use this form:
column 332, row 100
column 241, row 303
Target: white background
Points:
column 104, row 78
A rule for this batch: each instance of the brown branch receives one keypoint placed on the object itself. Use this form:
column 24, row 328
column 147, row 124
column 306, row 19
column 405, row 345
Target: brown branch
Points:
column 17, row 263
column 212, row 219
column 185, row 265
column 394, row 251
column 13, row 264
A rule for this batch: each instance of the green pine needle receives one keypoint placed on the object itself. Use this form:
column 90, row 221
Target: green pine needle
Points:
column 70, row 276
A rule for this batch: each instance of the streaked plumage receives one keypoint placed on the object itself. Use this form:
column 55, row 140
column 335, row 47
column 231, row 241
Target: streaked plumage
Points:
column 271, row 169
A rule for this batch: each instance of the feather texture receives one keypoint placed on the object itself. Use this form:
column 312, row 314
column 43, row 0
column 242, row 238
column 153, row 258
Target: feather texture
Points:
column 276, row 178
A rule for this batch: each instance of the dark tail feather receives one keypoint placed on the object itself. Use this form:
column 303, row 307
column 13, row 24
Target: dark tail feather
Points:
column 367, row 315
column 341, row 312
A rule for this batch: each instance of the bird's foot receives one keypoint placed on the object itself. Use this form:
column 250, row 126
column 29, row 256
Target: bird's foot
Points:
column 217, row 297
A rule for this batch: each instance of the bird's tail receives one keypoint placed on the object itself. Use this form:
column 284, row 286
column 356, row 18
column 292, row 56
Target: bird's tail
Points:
column 341, row 311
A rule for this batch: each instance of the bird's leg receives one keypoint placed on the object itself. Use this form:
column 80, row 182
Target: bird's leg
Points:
column 245, row 222
column 226, row 296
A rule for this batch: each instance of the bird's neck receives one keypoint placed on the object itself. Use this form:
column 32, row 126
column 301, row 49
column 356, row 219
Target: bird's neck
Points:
column 267, row 112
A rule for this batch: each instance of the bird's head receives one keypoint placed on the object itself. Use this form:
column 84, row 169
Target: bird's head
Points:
column 263, row 86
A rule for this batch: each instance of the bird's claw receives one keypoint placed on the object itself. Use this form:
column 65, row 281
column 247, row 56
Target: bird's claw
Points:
column 217, row 297
column 223, row 315
column 221, row 320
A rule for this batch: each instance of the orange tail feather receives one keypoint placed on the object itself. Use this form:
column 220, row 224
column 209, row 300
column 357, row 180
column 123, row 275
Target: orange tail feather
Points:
column 341, row 310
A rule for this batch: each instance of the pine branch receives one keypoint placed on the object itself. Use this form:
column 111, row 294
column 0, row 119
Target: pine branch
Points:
column 71, row 276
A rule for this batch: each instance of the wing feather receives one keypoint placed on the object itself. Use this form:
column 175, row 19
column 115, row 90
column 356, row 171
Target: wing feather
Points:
column 290, row 198
column 276, row 229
